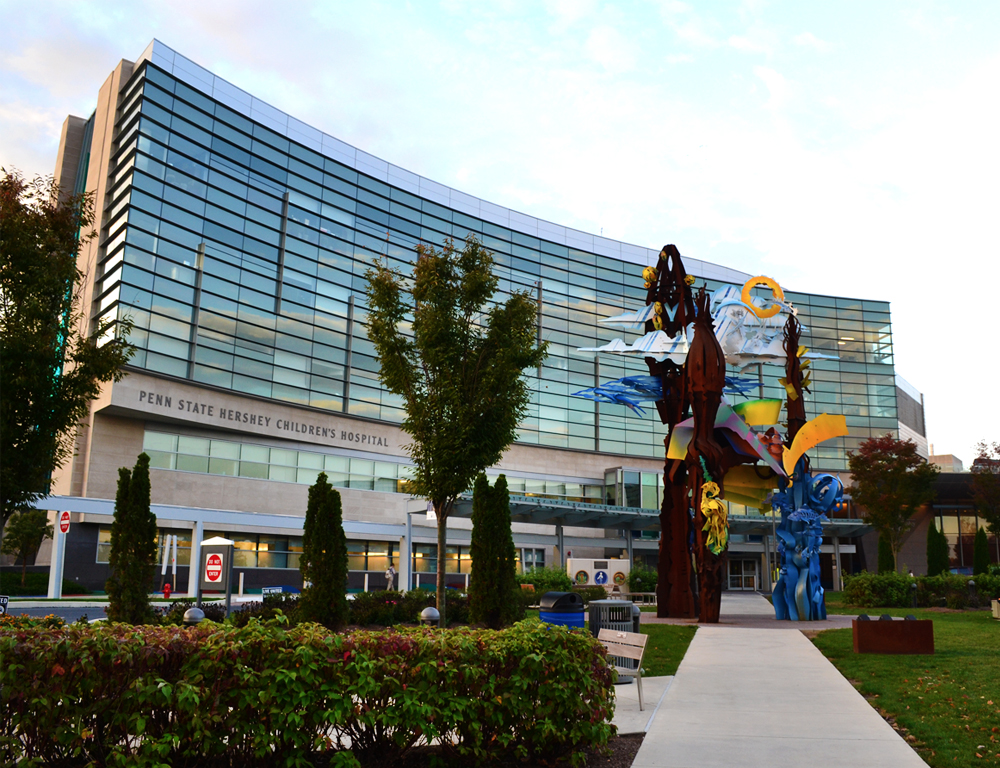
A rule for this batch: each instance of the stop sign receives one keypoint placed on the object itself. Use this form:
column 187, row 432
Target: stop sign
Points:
column 213, row 568
column 64, row 522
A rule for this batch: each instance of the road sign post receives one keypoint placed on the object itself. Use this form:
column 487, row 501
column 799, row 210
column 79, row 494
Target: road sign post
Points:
column 58, row 554
column 216, row 568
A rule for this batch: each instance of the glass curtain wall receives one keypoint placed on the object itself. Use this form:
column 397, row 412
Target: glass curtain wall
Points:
column 241, row 258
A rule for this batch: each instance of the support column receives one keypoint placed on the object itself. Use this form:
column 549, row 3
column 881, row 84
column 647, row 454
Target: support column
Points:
column 628, row 547
column 406, row 556
column 837, row 581
column 767, row 563
column 197, row 534
column 58, row 561
column 560, row 546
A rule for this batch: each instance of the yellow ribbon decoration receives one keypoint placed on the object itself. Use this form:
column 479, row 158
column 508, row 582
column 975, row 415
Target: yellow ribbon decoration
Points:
column 716, row 518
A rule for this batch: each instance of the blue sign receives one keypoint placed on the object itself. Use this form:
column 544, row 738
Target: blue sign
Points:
column 601, row 578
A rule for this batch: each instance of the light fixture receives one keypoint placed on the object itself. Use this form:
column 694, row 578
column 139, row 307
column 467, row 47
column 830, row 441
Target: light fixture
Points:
column 847, row 338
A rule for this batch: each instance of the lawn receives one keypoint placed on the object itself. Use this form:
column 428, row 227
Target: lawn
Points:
column 665, row 648
column 946, row 705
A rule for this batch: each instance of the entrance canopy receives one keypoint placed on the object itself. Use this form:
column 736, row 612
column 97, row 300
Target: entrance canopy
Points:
column 533, row 509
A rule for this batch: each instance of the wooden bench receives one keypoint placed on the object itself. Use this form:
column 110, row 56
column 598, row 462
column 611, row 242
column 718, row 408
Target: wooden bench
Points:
column 625, row 645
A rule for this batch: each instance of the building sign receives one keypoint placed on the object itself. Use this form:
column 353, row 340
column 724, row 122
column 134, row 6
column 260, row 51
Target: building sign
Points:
column 3, row 604
column 213, row 568
column 64, row 522
column 219, row 413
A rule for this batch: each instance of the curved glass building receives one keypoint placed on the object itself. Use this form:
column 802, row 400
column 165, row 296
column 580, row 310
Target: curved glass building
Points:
column 236, row 238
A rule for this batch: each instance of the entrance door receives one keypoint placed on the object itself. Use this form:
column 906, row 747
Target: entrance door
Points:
column 743, row 575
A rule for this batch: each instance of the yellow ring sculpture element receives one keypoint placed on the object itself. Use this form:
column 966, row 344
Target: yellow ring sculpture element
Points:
column 716, row 518
column 649, row 274
column 658, row 322
column 658, row 307
column 753, row 282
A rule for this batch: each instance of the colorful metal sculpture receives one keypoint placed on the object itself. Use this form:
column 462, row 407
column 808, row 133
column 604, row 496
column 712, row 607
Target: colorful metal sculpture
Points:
column 687, row 342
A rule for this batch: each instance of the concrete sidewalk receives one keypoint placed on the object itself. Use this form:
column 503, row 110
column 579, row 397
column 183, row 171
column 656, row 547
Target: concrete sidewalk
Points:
column 765, row 697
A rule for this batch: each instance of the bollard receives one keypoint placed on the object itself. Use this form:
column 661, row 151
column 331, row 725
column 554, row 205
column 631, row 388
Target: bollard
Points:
column 192, row 616
column 913, row 591
column 430, row 617
column 972, row 592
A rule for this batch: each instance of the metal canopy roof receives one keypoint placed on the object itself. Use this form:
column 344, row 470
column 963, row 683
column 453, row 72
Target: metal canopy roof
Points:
column 532, row 509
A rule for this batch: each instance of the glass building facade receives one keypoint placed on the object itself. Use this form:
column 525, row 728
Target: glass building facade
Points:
column 240, row 255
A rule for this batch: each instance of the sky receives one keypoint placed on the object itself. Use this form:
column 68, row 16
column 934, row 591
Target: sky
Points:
column 848, row 148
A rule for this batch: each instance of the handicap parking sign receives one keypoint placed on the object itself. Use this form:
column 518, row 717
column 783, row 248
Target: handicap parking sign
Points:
column 601, row 578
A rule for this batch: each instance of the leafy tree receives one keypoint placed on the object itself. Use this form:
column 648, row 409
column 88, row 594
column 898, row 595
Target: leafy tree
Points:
column 456, row 364
column 49, row 369
column 938, row 559
column 133, row 547
column 886, row 559
column 324, row 558
column 980, row 553
column 24, row 534
column 891, row 481
column 494, row 597
column 986, row 483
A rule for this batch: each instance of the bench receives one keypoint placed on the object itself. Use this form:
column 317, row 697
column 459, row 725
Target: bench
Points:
column 625, row 645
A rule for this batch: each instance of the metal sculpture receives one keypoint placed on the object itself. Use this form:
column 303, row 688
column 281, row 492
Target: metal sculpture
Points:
column 687, row 342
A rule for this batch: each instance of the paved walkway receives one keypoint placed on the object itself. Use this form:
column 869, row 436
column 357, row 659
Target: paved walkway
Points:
column 751, row 696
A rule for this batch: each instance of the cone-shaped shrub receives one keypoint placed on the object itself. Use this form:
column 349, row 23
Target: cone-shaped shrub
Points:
column 937, row 551
column 493, row 588
column 324, row 558
column 980, row 553
column 133, row 547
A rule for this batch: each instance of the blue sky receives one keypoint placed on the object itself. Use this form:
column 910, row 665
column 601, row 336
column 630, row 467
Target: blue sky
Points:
column 848, row 148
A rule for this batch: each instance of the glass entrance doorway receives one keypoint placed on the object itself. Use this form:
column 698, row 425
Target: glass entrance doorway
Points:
column 743, row 575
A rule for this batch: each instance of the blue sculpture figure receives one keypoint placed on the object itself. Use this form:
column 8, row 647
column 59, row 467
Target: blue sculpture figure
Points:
column 804, row 502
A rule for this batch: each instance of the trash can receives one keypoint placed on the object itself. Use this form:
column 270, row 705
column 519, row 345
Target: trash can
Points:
column 563, row 608
column 611, row 614
column 621, row 616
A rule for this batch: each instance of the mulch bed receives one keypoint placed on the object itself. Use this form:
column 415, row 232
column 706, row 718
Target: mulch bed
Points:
column 621, row 753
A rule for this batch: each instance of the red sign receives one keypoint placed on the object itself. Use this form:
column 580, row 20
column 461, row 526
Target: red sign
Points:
column 64, row 522
column 213, row 568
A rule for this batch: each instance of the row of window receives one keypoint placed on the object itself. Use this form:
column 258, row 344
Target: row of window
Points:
column 263, row 551
column 235, row 459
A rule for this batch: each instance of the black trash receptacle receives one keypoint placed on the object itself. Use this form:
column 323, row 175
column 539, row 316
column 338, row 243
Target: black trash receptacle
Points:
column 563, row 608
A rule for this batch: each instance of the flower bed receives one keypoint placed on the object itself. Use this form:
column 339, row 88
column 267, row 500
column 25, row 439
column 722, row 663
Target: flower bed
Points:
column 265, row 694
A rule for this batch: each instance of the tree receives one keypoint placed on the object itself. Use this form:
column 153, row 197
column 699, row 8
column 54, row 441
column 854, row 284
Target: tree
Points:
column 493, row 588
column 324, row 558
column 886, row 559
column 49, row 370
column 938, row 560
column 980, row 553
column 986, row 483
column 891, row 481
column 456, row 365
column 24, row 534
column 133, row 547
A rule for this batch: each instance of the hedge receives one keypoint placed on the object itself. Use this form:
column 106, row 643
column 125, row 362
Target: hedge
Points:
column 266, row 694
column 893, row 590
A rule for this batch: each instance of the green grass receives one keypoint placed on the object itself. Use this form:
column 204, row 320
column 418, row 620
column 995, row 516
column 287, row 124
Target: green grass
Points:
column 665, row 648
column 948, row 704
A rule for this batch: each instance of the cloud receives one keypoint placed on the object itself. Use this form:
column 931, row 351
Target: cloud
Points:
column 809, row 40
column 607, row 47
